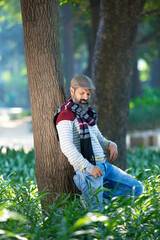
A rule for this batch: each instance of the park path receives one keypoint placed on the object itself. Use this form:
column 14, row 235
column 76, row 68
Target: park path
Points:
column 15, row 133
column 18, row 133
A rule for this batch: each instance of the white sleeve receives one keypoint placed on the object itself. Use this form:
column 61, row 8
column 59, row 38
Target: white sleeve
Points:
column 103, row 141
column 65, row 133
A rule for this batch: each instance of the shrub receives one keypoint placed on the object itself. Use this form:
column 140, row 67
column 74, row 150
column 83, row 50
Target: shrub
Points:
column 145, row 110
column 21, row 216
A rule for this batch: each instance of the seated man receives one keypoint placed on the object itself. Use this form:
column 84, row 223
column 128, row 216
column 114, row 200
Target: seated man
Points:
column 85, row 147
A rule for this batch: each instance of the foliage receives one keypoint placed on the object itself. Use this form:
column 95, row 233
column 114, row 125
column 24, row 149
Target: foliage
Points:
column 13, row 80
column 17, row 163
column 10, row 11
column 79, row 20
column 145, row 110
column 151, row 97
column 21, row 216
column 149, row 31
column 143, row 161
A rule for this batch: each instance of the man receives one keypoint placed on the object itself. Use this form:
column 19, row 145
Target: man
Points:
column 85, row 147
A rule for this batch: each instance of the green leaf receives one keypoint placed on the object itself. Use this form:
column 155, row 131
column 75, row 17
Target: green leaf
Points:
column 91, row 218
column 5, row 215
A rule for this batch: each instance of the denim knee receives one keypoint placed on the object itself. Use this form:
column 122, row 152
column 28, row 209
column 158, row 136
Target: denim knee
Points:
column 138, row 189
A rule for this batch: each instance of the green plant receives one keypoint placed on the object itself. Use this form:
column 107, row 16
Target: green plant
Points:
column 150, row 97
column 21, row 215
column 17, row 163
column 142, row 162
column 145, row 110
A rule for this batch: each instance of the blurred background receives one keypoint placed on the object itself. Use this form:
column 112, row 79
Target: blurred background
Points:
column 75, row 31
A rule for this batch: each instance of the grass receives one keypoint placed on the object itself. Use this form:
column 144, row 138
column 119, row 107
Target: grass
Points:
column 17, row 163
column 21, row 216
column 142, row 162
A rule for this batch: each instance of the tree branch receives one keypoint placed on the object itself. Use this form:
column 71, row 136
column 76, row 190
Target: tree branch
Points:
column 151, row 13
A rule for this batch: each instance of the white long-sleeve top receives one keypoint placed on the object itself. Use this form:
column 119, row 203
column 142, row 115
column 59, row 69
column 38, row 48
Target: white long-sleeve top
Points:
column 69, row 136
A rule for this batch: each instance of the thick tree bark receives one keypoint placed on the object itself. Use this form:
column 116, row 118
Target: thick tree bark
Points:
column 112, row 66
column 45, row 77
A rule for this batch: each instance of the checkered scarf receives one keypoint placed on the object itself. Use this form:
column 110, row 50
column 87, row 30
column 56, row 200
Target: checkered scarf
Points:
column 84, row 119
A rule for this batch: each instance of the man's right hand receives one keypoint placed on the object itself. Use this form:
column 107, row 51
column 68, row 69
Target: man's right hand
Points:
column 97, row 172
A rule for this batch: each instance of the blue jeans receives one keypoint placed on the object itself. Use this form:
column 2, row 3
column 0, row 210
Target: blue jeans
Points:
column 113, row 183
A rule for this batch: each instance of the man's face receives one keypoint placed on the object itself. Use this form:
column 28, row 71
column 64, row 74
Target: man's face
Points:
column 81, row 97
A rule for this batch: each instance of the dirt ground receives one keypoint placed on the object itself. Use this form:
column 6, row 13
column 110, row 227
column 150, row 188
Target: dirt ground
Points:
column 16, row 133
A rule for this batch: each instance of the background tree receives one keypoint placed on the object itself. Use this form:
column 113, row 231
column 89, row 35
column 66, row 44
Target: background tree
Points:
column 114, row 54
column 13, row 74
column 92, row 32
column 76, row 39
column 46, row 85
column 68, row 43
column 136, row 86
column 112, row 67
column 155, row 71
column 147, row 48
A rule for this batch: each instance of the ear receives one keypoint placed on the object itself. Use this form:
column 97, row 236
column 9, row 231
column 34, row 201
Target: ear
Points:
column 71, row 91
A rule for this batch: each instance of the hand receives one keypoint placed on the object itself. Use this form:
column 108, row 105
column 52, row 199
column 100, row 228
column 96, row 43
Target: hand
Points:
column 97, row 172
column 112, row 152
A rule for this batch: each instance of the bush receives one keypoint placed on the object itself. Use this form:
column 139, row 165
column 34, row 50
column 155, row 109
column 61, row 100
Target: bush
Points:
column 17, row 163
column 145, row 110
column 143, row 161
column 21, row 216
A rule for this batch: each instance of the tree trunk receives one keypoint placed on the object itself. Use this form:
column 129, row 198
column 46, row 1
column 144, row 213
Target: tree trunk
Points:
column 112, row 66
column 68, row 46
column 46, row 86
column 91, row 37
column 155, row 72
column 95, row 8
column 88, row 37
column 136, row 88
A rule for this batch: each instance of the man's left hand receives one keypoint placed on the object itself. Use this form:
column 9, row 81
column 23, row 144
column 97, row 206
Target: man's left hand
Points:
column 112, row 152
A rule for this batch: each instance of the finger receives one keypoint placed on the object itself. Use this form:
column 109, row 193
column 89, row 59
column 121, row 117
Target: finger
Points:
column 95, row 175
column 111, row 156
column 115, row 156
column 100, row 173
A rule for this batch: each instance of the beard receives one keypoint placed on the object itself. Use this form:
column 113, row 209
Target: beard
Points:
column 84, row 104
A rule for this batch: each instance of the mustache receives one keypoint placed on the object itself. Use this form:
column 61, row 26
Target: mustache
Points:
column 83, row 100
